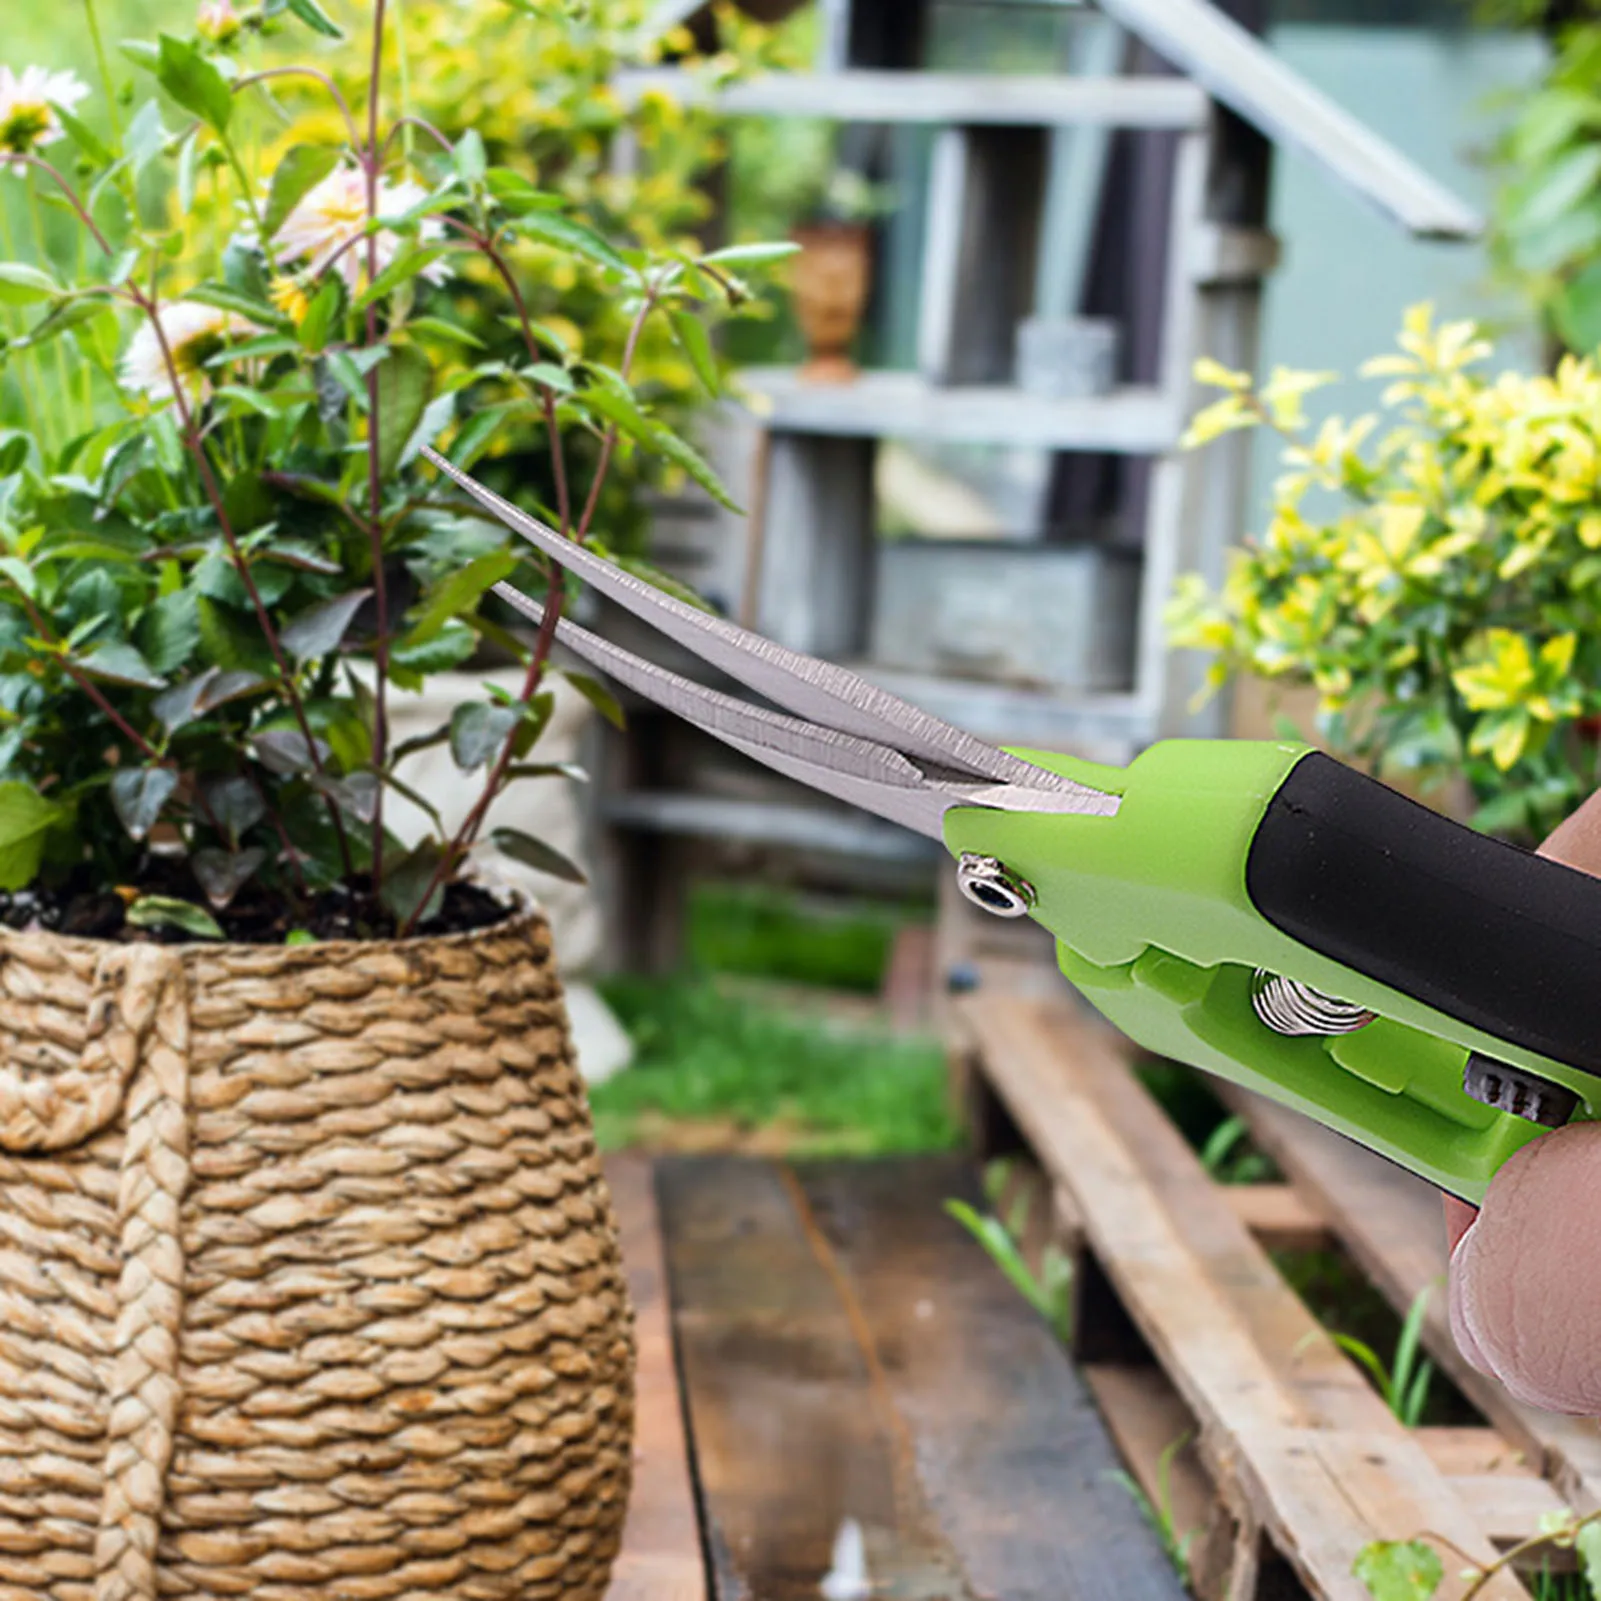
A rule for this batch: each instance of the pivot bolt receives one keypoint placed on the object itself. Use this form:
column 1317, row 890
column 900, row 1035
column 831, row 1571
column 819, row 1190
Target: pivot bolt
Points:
column 991, row 884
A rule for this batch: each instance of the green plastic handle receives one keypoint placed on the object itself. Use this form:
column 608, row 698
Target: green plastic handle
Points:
column 1155, row 928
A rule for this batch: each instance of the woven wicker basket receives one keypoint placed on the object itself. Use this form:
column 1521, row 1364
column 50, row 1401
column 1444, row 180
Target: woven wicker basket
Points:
column 309, row 1283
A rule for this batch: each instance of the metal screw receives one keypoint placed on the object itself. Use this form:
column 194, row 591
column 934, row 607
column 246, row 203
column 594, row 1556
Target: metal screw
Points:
column 991, row 884
column 1290, row 1007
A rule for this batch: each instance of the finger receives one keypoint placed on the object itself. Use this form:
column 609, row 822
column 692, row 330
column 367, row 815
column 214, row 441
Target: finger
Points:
column 1499, row 1274
column 1526, row 1278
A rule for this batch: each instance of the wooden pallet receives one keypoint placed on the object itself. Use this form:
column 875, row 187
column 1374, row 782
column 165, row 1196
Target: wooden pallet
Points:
column 1184, row 1325
column 821, row 1344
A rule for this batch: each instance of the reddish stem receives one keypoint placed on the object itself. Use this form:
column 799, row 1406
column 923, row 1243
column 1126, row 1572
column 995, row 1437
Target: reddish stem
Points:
column 197, row 449
column 372, row 160
column 546, row 638
column 305, row 72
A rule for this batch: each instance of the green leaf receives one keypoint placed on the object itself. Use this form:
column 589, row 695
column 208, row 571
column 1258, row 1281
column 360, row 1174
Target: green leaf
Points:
column 121, row 664
column 476, row 433
column 402, row 269
column 406, row 882
column 301, row 936
column 138, row 794
column 316, row 18
column 62, row 318
column 319, row 631
column 322, row 315
column 537, row 854
column 236, row 803
column 478, row 733
column 412, row 660
column 517, row 195
column 620, row 408
column 226, row 298
column 657, row 579
column 20, row 283
column 300, row 169
column 25, row 818
column 84, row 137
column 162, row 911
column 598, row 696
column 169, row 631
column 222, row 874
column 284, row 751
column 572, row 237
column 405, row 381
column 459, row 592
column 438, row 328
column 194, row 82
column 696, row 343
column 753, row 255
column 471, row 160
column 1399, row 1570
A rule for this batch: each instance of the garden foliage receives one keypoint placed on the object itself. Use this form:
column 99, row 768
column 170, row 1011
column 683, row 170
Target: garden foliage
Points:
column 1432, row 567
column 220, row 548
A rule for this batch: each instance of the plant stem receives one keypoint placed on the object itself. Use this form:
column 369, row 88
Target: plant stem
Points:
column 41, row 243
column 555, row 597
column 17, row 321
column 372, row 159
column 307, row 72
column 107, row 86
column 197, row 448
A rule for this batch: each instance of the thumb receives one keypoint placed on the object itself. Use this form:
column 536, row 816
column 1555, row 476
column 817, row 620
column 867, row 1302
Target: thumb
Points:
column 1525, row 1282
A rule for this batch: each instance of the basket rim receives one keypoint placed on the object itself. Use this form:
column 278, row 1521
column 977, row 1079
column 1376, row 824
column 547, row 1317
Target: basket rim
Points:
column 525, row 916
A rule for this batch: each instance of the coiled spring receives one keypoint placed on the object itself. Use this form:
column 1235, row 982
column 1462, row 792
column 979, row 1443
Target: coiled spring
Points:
column 1288, row 1006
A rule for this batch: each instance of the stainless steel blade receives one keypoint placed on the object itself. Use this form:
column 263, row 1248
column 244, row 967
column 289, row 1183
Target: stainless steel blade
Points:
column 852, row 769
column 826, row 694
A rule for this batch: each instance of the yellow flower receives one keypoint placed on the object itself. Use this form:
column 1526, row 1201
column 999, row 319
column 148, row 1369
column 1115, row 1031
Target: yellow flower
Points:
column 289, row 296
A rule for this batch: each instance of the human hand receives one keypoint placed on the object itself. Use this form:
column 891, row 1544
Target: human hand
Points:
column 1525, row 1281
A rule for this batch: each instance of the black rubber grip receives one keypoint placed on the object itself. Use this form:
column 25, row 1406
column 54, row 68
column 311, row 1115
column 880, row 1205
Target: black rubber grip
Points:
column 1478, row 929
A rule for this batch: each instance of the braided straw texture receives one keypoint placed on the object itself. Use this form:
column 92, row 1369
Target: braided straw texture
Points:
column 309, row 1284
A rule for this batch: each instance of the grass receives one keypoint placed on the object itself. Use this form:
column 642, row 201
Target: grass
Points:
column 766, row 933
column 715, row 1061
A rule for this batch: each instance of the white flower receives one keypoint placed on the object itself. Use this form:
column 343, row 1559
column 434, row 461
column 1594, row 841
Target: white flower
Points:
column 332, row 216
column 194, row 334
column 28, row 102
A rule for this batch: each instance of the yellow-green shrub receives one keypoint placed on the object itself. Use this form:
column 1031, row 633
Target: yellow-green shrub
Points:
column 1433, row 568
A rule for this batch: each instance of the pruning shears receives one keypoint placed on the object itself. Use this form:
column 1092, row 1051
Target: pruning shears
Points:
column 1254, row 908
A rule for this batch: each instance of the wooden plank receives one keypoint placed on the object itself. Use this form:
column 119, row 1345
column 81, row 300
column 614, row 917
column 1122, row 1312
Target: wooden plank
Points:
column 661, row 1558
column 905, row 405
column 1006, row 1437
column 1288, row 1424
column 1148, row 1419
column 1277, row 1215
column 1473, row 1451
column 849, row 1353
column 1390, row 1222
column 1246, row 76
column 858, row 95
column 986, row 191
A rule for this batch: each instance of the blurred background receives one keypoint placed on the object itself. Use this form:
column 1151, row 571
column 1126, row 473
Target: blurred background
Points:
column 955, row 430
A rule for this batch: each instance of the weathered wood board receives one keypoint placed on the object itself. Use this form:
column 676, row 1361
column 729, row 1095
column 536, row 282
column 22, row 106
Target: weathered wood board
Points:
column 851, row 1357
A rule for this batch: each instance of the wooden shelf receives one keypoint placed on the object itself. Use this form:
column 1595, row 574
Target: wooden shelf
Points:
column 935, row 97
column 904, row 405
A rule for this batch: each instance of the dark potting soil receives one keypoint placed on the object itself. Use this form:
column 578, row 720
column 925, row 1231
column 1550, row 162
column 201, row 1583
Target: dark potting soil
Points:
column 255, row 916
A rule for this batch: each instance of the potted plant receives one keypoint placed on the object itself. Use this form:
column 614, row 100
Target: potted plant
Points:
column 1433, row 569
column 834, row 271
column 324, row 1285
